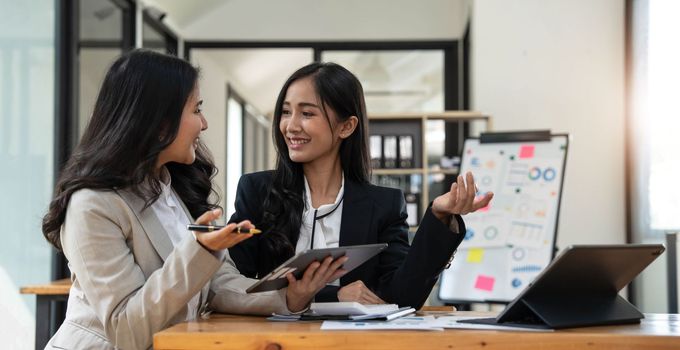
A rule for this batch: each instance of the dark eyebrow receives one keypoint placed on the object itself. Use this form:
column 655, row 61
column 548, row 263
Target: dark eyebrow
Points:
column 199, row 103
column 303, row 104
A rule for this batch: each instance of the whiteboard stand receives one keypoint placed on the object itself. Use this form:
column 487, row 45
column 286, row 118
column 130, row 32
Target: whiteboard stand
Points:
column 672, row 271
column 511, row 241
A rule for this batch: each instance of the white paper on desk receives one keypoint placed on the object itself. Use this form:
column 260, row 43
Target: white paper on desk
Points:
column 451, row 322
column 424, row 323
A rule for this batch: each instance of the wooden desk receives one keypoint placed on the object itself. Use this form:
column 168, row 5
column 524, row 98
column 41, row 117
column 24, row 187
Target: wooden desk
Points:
column 657, row 331
column 46, row 295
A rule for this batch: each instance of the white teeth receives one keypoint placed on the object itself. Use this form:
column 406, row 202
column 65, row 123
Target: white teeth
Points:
column 298, row 142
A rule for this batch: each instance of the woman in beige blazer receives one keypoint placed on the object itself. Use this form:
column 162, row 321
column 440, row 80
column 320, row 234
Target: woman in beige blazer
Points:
column 139, row 175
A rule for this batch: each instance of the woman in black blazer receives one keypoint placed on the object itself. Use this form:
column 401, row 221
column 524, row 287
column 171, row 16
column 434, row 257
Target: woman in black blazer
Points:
column 320, row 133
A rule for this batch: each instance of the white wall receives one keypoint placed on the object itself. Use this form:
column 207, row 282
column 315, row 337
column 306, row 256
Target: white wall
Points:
column 559, row 65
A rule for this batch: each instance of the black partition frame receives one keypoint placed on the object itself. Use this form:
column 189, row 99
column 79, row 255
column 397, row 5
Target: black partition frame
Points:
column 67, row 48
column 170, row 41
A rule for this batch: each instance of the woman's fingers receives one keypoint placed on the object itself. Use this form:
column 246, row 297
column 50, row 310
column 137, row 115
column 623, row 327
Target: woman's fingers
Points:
column 209, row 216
column 245, row 224
column 466, row 194
column 453, row 195
column 320, row 274
column 291, row 279
column 223, row 238
column 461, row 199
column 460, row 190
column 226, row 237
column 335, row 270
column 308, row 276
column 483, row 202
column 471, row 191
column 370, row 297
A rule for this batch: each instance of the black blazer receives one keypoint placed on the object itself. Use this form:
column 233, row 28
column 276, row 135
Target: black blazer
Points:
column 401, row 274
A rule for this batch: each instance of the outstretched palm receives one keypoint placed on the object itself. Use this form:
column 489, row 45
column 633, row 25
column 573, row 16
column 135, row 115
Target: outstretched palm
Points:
column 461, row 199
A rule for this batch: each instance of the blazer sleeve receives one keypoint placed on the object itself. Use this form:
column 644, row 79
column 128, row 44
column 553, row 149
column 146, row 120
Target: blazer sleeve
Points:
column 130, row 306
column 407, row 274
column 228, row 294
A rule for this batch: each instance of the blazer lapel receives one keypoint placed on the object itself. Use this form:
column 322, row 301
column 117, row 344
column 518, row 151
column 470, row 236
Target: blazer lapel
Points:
column 357, row 215
column 150, row 223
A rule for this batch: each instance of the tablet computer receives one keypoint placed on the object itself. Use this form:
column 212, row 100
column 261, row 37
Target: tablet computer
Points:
column 357, row 254
column 580, row 288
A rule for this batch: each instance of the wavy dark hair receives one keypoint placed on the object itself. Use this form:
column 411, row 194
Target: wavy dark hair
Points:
column 339, row 90
column 137, row 114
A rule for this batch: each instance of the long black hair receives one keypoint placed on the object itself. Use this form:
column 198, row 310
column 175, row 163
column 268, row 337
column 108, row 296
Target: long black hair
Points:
column 339, row 90
column 137, row 114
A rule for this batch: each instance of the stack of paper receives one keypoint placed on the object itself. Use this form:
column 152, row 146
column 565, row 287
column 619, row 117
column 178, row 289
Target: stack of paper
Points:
column 348, row 311
column 357, row 311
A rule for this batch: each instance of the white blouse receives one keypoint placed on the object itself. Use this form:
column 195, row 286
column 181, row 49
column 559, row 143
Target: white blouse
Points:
column 327, row 219
column 174, row 220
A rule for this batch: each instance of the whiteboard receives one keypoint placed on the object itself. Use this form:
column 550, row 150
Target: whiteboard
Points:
column 508, row 243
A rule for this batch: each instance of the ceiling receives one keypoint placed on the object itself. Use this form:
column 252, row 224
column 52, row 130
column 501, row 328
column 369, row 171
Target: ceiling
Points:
column 393, row 81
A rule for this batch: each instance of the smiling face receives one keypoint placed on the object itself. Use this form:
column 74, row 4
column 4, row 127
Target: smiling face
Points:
column 304, row 126
column 183, row 147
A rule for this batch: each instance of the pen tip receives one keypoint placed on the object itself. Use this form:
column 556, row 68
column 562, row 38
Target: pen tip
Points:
column 255, row 231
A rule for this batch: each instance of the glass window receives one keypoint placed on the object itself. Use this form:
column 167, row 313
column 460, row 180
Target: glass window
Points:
column 102, row 39
column 652, row 131
column 254, row 145
column 234, row 151
column 655, row 123
column 662, row 110
column 26, row 154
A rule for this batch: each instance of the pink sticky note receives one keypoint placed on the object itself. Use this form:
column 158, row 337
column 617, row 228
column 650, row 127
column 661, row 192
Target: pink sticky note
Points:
column 527, row 151
column 485, row 282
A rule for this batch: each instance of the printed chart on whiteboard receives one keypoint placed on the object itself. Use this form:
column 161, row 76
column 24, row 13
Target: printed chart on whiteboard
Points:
column 509, row 242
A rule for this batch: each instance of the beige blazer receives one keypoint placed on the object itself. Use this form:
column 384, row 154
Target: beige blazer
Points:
column 129, row 282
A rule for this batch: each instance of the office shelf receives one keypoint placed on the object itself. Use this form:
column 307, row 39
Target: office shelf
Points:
column 437, row 142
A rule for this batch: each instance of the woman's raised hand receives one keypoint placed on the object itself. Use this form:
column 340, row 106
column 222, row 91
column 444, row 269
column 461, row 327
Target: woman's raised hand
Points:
column 461, row 199
column 223, row 238
column 317, row 275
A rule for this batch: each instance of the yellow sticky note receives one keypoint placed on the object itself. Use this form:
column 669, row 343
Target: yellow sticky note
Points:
column 475, row 255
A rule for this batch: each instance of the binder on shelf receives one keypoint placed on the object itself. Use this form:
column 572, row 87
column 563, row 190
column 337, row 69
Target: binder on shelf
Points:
column 406, row 151
column 390, row 151
column 375, row 146
column 412, row 204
